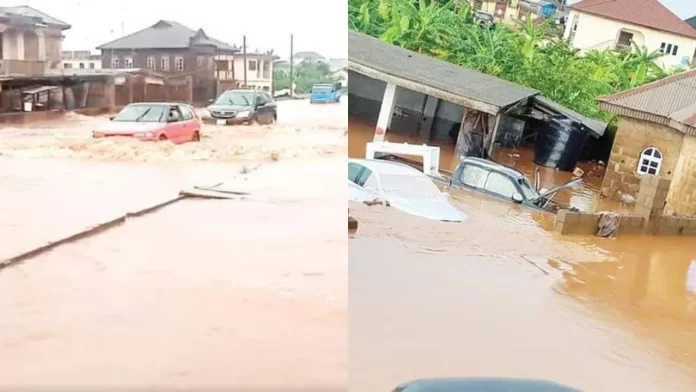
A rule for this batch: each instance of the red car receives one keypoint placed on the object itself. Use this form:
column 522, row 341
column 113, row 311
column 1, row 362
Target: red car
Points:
column 175, row 122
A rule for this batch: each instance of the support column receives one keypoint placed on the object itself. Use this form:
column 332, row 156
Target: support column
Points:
column 426, row 125
column 41, row 43
column 386, row 112
column 19, row 45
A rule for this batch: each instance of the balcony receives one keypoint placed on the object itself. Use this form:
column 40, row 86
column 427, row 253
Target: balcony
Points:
column 22, row 67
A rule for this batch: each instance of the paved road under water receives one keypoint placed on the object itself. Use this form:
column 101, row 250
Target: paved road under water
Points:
column 202, row 294
column 500, row 295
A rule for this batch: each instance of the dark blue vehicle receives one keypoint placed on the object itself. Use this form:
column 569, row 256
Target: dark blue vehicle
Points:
column 326, row 93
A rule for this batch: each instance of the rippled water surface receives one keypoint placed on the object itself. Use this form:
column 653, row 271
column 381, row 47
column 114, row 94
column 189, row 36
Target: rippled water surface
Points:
column 501, row 295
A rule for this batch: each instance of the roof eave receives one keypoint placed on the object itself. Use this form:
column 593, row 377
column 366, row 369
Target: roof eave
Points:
column 624, row 111
column 468, row 102
column 633, row 23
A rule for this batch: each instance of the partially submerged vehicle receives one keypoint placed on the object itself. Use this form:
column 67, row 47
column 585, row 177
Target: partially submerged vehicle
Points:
column 402, row 187
column 242, row 107
column 326, row 93
column 482, row 385
column 503, row 182
column 152, row 121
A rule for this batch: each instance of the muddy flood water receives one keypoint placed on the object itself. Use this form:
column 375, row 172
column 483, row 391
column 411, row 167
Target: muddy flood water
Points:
column 202, row 294
column 501, row 295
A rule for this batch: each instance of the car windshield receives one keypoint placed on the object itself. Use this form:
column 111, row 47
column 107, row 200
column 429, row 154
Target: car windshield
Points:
column 528, row 191
column 411, row 187
column 142, row 113
column 322, row 89
column 237, row 98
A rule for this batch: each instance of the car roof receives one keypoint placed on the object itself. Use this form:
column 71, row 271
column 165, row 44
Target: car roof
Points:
column 387, row 167
column 514, row 173
column 240, row 90
column 157, row 103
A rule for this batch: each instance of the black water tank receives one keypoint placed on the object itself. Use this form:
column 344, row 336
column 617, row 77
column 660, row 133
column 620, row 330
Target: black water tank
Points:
column 559, row 144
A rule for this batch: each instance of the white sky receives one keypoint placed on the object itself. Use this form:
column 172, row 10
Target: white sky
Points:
column 683, row 8
column 317, row 25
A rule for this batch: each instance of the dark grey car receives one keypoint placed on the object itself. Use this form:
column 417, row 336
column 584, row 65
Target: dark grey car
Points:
column 483, row 385
column 243, row 107
column 499, row 181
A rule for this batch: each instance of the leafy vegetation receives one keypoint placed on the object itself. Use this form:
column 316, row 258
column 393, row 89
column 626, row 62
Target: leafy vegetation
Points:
column 527, row 54
column 306, row 75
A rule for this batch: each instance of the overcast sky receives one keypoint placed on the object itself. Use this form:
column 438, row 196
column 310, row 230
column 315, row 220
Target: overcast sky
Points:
column 318, row 25
column 683, row 8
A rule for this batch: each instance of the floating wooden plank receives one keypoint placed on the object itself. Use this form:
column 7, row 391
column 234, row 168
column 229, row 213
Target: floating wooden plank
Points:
column 208, row 194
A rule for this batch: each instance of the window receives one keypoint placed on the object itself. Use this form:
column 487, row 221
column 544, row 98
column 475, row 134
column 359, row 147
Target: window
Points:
column 500, row 185
column 252, row 65
column 128, row 62
column 67, row 65
column 186, row 113
column 354, row 172
column 668, row 49
column 260, row 100
column 266, row 70
column 151, row 62
column 200, row 61
column 478, row 4
column 265, row 88
column 473, row 176
column 675, row 49
column 179, row 63
column 650, row 161
column 625, row 39
column 114, row 62
column 82, row 65
column 91, row 65
column 222, row 65
column 174, row 114
column 164, row 63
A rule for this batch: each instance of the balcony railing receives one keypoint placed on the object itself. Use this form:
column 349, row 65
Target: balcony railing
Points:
column 22, row 67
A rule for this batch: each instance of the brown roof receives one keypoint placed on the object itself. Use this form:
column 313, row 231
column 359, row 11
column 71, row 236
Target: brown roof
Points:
column 648, row 13
column 670, row 101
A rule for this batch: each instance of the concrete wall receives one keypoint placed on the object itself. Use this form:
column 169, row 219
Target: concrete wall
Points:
column 594, row 32
column 632, row 137
column 413, row 114
column 579, row 223
column 681, row 199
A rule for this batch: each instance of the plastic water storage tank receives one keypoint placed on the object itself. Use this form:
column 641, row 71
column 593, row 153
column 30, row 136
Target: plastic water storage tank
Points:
column 559, row 144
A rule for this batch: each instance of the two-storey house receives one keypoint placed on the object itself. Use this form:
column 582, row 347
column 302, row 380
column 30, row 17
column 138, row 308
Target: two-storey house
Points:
column 30, row 41
column 618, row 24
column 172, row 49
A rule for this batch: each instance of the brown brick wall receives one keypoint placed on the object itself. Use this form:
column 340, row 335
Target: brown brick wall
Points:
column 632, row 137
column 681, row 199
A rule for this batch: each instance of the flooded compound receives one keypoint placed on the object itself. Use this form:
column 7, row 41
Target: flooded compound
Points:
column 244, row 293
column 500, row 295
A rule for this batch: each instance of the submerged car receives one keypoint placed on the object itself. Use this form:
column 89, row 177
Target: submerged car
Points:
column 482, row 385
column 402, row 187
column 242, row 107
column 176, row 122
column 503, row 182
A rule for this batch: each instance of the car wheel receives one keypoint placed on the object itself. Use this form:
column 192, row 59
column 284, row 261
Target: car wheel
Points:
column 162, row 138
column 196, row 137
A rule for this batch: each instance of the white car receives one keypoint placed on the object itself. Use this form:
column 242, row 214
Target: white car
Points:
column 401, row 186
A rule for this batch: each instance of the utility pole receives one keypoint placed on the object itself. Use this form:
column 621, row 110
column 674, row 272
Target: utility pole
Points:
column 245, row 60
column 292, row 76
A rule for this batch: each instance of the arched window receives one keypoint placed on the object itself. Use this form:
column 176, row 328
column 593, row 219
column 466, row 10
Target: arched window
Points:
column 650, row 161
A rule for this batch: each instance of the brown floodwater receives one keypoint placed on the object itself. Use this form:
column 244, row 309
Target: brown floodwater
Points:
column 501, row 295
column 202, row 294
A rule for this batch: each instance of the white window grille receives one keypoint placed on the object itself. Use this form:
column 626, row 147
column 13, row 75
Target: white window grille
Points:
column 650, row 161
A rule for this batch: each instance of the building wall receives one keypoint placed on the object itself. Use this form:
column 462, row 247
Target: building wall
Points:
column 30, row 46
column 255, row 77
column 511, row 12
column 598, row 33
column 632, row 137
column 681, row 199
column 140, row 60
column 87, row 64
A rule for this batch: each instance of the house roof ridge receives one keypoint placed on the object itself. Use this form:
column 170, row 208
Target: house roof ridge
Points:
column 649, row 86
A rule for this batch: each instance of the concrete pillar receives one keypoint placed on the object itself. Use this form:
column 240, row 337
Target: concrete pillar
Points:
column 41, row 41
column 651, row 201
column 426, row 124
column 109, row 97
column 386, row 112
column 19, row 45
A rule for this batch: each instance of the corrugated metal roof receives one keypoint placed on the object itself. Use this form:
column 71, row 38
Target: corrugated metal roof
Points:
column 670, row 101
column 434, row 73
column 24, row 11
column 165, row 34
column 648, row 13
column 596, row 127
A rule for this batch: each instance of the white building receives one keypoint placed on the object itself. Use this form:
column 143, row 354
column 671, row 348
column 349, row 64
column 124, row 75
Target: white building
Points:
column 615, row 24
column 82, row 59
